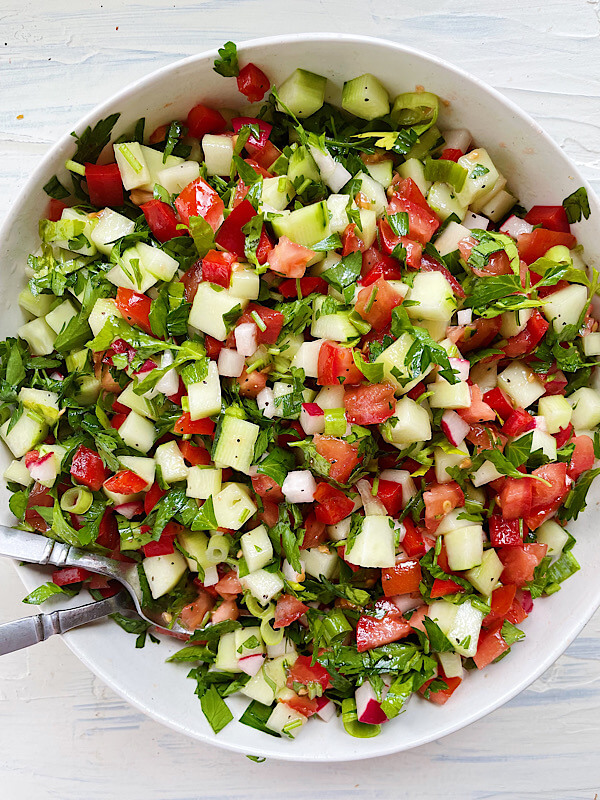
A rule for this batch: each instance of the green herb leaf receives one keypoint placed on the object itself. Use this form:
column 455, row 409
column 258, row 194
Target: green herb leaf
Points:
column 577, row 205
column 42, row 593
column 227, row 65
column 215, row 709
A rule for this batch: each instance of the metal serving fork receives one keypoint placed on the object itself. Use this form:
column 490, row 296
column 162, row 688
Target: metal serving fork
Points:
column 37, row 549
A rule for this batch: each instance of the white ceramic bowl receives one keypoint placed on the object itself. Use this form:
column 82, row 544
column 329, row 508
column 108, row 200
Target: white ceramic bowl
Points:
column 538, row 172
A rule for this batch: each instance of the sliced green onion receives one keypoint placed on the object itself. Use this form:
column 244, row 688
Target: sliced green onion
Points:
column 335, row 626
column 375, row 488
column 130, row 158
column 255, row 608
column 257, row 318
column 217, row 549
column 185, row 404
column 269, row 635
column 360, row 730
column 442, row 169
column 372, row 298
column 335, row 422
column 415, row 108
column 76, row 500
column 73, row 166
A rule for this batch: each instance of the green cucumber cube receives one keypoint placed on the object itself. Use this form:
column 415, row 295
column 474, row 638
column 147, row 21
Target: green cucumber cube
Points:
column 208, row 308
column 303, row 93
column 235, row 445
column 28, row 431
column 137, row 432
column 42, row 402
column 164, row 572
column 38, row 305
column 233, row 506
column 305, row 226
column 365, row 97
column 60, row 316
column 39, row 336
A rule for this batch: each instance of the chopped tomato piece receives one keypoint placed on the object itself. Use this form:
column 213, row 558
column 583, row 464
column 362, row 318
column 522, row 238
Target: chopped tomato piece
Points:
column 108, row 532
column 515, row 498
column 152, row 496
column 491, row 645
column 369, row 405
column 403, row 578
column 198, row 199
column 496, row 399
column 583, row 456
column 289, row 259
column 525, row 342
column 390, row 494
column 442, row 587
column 216, row 267
column 104, row 185
column 422, row 222
column 68, row 575
column 505, row 532
column 376, row 302
column 451, row 154
column 553, row 218
column 203, row 119
column 125, row 482
column 162, row 547
column 429, row 264
column 413, row 543
column 336, row 365
column 229, row 585
column 440, row 696
column 533, row 245
column 193, row 615
column 55, row 209
column 518, row 422
column 440, row 499
column 135, row 307
column 288, row 610
column 547, row 499
column 264, row 486
column 373, row 632
column 478, row 411
column 376, row 264
column 193, row 454
column 251, row 383
column 520, row 562
column 253, row 83
column 161, row 220
column 501, row 601
column 351, row 243
column 302, row 287
column 185, row 424
column 390, row 240
column 88, row 468
column 314, row 532
column 307, row 674
column 342, row 456
column 271, row 320
column 230, row 235
column 332, row 505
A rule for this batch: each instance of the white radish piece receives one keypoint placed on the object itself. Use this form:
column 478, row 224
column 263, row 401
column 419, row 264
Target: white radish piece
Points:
column 130, row 510
column 251, row 664
column 457, row 139
column 514, row 226
column 475, row 222
column 230, row 363
column 454, row 427
column 368, row 707
column 325, row 709
column 169, row 383
column 299, row 486
column 406, row 602
column 403, row 477
column 462, row 366
column 246, row 338
column 44, row 470
column 265, row 400
column 312, row 419
column 372, row 504
column 465, row 316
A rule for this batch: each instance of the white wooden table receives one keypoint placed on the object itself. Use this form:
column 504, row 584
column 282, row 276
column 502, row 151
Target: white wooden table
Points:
column 63, row 734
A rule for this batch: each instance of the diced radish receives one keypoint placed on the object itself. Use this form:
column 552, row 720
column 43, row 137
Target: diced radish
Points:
column 454, row 427
column 44, row 470
column 299, row 486
column 368, row 707
column 169, row 383
column 325, row 709
column 372, row 504
column 334, row 174
column 265, row 400
column 290, row 574
column 230, row 363
column 406, row 602
column 246, row 338
column 541, row 424
column 146, row 367
column 462, row 366
column 475, row 222
column 457, row 139
column 251, row 664
column 514, row 226
column 312, row 419
column 130, row 510
column 211, row 576
column 465, row 315
column 57, row 376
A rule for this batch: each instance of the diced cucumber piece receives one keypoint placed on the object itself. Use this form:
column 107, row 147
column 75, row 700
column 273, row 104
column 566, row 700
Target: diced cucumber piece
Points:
column 168, row 457
column 337, row 205
column 428, row 143
column 257, row 548
column 235, row 446
column 513, row 322
column 305, row 226
column 565, row 307
column 331, row 326
column 60, row 316
column 486, row 473
column 317, row 562
column 103, row 308
column 465, row 630
column 209, row 306
column 110, row 227
column 156, row 262
column 374, row 193
column 87, row 249
column 144, row 467
column 245, row 283
column 38, row 305
column 444, row 461
column 449, row 395
column 556, row 410
column 174, row 179
column 302, row 167
column 262, row 585
column 434, row 296
column 409, row 424
column 464, row 547
column 368, row 223
column 88, row 389
column 233, row 506
column 443, row 613
column 156, row 162
column 227, row 658
column 39, row 336
column 202, row 482
column 451, row 663
column 551, row 534
column 136, row 402
column 415, row 169
column 286, row 721
column 452, row 520
column 586, row 408
column 303, row 93
column 26, row 433
column 204, row 397
column 486, row 576
column 17, row 472
column 542, row 441
column 498, row 206
column 137, row 432
column 307, row 357
column 277, row 192
column 481, row 176
column 365, row 97
column 42, row 402
column 164, row 572
column 246, row 642
column 477, row 205
column 130, row 272
column 132, row 165
column 393, row 360
column 444, row 201
column 521, row 384
column 382, row 171
column 374, row 545
column 591, row 344
column 259, row 688
column 194, row 543
column 447, row 241
column 218, row 154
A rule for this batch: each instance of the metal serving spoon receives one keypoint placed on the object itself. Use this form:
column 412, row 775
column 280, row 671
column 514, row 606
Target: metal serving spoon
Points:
column 38, row 549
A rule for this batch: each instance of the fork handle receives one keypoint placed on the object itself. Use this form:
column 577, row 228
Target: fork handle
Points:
column 36, row 549
column 30, row 630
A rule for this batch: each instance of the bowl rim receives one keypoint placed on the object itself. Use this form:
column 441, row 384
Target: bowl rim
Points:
column 108, row 105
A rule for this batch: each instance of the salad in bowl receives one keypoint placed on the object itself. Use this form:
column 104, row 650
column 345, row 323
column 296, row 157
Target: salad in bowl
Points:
column 317, row 371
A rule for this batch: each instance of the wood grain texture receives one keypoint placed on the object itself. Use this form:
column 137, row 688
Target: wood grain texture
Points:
column 63, row 734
